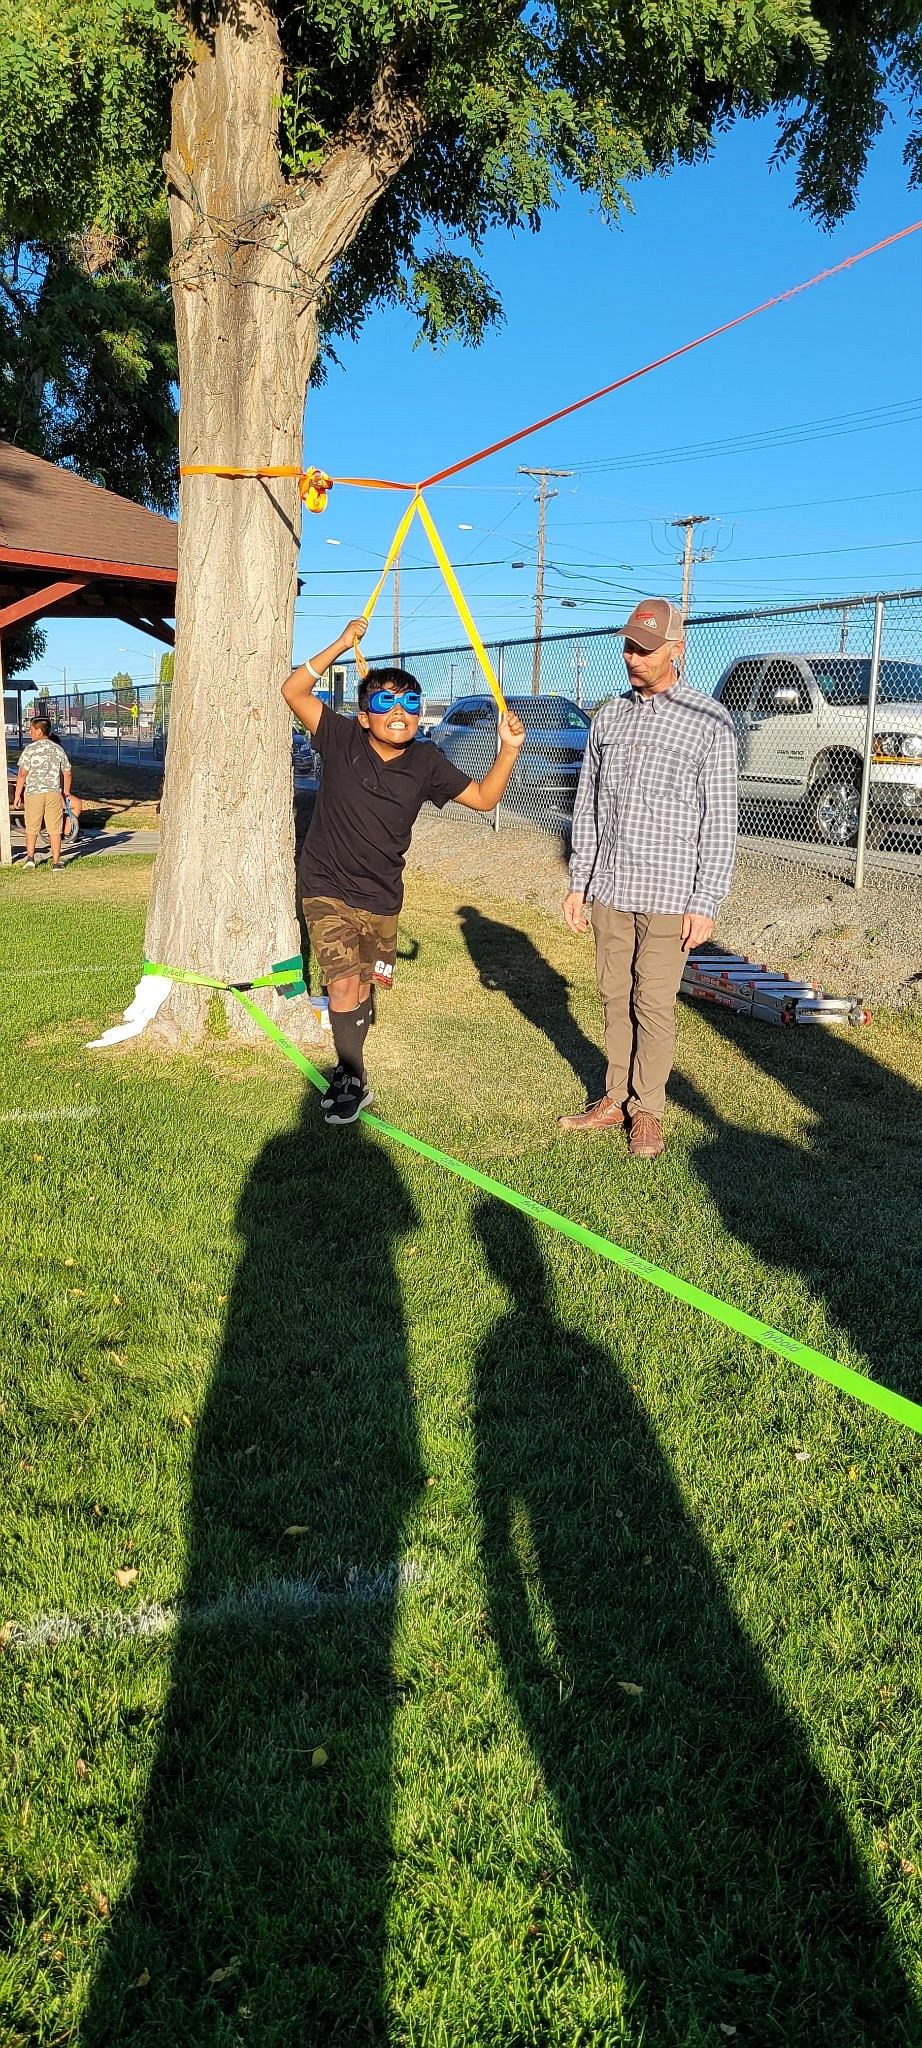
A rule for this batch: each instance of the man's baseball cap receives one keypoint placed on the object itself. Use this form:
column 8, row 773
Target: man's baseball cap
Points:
column 653, row 622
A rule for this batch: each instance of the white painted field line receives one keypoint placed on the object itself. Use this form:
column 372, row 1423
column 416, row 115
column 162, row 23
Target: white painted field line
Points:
column 274, row 1602
column 74, row 1111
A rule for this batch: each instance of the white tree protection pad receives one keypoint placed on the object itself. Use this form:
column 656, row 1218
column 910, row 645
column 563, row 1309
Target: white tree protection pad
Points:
column 149, row 997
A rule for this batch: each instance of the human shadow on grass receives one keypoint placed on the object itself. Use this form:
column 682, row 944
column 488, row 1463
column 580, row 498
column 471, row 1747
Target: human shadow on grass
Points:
column 256, row 1910
column 507, row 960
column 842, row 1208
column 713, row 1857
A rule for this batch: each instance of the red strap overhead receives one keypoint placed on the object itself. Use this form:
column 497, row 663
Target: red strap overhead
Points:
column 674, row 353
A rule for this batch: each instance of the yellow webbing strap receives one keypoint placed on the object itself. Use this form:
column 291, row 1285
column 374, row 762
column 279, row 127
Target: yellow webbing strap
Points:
column 392, row 554
column 457, row 595
column 460, row 604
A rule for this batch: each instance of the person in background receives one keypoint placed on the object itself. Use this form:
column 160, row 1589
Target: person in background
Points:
column 43, row 770
column 653, row 846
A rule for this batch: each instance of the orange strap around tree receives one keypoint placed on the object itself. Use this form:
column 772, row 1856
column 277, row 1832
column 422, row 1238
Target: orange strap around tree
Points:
column 314, row 485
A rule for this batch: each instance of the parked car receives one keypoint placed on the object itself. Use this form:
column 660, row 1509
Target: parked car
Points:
column 548, row 767
column 302, row 753
column 801, row 721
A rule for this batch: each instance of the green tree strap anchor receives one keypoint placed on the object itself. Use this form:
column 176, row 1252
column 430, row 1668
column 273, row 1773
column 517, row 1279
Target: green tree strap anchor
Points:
column 288, row 977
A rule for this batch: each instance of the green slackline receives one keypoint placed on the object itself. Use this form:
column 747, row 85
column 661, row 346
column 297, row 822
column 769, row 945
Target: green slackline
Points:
column 896, row 1406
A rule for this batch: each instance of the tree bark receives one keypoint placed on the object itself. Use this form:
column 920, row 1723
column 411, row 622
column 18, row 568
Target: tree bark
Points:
column 250, row 256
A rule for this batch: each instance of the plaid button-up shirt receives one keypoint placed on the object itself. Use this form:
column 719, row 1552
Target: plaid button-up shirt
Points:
column 654, row 824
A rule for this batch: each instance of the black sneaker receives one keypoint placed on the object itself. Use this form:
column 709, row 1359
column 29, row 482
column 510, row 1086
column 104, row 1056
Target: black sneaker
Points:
column 346, row 1099
column 338, row 1076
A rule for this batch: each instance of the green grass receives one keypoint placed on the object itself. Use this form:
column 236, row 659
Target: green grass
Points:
column 629, row 1752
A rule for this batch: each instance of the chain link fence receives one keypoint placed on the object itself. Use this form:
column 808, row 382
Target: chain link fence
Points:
column 826, row 700
column 125, row 724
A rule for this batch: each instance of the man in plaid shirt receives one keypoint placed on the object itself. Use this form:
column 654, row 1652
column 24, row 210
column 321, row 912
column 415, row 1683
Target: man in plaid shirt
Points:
column 654, row 838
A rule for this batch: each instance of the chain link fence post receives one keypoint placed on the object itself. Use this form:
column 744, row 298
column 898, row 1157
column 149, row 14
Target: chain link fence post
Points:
column 500, row 663
column 873, row 685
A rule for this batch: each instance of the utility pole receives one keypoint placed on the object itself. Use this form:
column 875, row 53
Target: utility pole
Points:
column 541, row 498
column 397, row 611
column 687, row 559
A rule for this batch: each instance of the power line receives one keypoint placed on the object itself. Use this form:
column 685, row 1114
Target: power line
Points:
column 866, row 421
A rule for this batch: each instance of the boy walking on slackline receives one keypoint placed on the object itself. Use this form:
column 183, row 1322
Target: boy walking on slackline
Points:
column 375, row 782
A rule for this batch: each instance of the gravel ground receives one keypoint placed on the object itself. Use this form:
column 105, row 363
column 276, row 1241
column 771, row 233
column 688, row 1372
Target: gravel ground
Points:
column 779, row 911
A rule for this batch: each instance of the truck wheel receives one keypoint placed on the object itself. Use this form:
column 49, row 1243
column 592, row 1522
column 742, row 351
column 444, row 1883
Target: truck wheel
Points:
column 833, row 807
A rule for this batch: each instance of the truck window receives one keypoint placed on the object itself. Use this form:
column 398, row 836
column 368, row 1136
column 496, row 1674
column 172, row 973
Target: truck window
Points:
column 739, row 685
column 782, row 675
column 843, row 679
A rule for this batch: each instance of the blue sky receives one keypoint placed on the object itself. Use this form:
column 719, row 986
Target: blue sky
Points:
column 801, row 432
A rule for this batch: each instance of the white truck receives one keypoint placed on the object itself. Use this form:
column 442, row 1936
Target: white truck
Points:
column 801, row 723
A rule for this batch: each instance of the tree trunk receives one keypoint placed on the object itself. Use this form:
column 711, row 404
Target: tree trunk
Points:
column 250, row 255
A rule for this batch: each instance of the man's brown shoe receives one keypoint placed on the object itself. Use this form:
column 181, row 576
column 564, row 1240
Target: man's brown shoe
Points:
column 606, row 1115
column 646, row 1136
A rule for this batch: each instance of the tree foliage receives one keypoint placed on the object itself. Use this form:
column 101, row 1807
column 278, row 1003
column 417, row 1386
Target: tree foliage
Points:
column 516, row 103
column 87, row 353
column 22, row 648
column 88, row 358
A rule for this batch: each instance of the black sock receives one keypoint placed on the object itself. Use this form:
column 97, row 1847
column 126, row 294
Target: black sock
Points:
column 349, row 1028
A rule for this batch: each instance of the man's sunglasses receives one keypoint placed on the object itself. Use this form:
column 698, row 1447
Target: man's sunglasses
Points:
column 384, row 700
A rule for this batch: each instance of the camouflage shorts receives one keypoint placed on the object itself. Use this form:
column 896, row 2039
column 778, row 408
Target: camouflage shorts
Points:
column 347, row 941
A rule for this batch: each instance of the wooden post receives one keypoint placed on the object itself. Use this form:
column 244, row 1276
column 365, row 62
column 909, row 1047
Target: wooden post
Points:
column 6, row 843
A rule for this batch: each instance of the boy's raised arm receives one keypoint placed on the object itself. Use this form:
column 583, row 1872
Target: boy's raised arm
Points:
column 298, row 691
column 485, row 795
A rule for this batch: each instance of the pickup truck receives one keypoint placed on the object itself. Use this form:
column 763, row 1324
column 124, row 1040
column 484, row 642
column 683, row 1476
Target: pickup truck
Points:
column 800, row 724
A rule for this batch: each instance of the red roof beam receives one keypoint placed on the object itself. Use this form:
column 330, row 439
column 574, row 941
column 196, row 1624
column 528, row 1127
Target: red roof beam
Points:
column 147, row 623
column 143, row 572
column 38, row 602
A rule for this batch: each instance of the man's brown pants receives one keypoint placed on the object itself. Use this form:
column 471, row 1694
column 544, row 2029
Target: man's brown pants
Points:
column 639, row 960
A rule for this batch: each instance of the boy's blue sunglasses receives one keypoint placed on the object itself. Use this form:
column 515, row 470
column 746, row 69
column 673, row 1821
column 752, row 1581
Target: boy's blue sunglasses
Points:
column 384, row 700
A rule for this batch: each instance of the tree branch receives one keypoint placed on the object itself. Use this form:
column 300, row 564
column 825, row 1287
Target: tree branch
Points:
column 176, row 179
column 324, row 213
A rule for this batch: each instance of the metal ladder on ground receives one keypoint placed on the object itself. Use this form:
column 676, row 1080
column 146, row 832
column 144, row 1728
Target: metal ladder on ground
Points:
column 739, row 984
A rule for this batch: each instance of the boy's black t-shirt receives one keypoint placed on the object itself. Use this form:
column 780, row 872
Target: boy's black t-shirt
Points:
column 366, row 810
